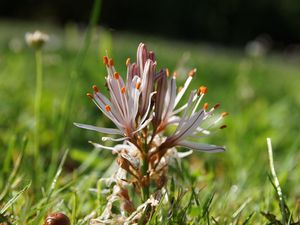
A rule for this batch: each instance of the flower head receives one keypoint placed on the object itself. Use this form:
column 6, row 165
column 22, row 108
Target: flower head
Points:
column 151, row 97
column 36, row 39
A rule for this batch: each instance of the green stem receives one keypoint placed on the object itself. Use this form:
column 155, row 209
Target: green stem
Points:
column 145, row 190
column 37, row 107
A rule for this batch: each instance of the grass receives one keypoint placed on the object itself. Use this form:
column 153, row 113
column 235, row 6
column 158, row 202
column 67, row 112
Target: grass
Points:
column 261, row 94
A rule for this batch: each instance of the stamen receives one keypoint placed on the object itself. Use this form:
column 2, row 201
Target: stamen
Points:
column 123, row 90
column 116, row 75
column 90, row 95
column 111, row 62
column 192, row 72
column 202, row 90
column 167, row 72
column 105, row 60
column 223, row 127
column 138, row 85
column 205, row 106
column 224, row 114
column 216, row 106
column 127, row 62
column 107, row 108
column 95, row 88
column 180, row 88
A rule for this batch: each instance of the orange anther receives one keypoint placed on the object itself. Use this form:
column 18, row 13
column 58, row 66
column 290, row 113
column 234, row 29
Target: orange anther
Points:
column 216, row 105
column 105, row 60
column 223, row 126
column 116, row 75
column 107, row 108
column 202, row 90
column 123, row 90
column 127, row 61
column 95, row 88
column 224, row 114
column 205, row 106
column 175, row 74
column 111, row 62
column 90, row 95
column 138, row 85
column 192, row 72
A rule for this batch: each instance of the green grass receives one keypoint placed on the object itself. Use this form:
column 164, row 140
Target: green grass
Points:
column 261, row 95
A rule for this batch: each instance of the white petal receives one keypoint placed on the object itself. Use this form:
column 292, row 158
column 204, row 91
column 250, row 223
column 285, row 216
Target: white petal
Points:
column 142, row 126
column 98, row 146
column 201, row 147
column 191, row 125
column 148, row 107
column 172, row 96
column 99, row 129
column 114, row 139
column 182, row 91
column 183, row 118
column 184, row 154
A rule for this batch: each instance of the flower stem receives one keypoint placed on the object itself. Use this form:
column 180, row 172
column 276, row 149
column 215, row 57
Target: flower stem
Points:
column 37, row 106
column 145, row 190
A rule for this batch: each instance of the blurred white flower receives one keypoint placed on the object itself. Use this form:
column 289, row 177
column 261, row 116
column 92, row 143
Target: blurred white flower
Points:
column 36, row 39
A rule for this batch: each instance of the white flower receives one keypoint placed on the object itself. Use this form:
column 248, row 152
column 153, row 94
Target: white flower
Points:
column 36, row 39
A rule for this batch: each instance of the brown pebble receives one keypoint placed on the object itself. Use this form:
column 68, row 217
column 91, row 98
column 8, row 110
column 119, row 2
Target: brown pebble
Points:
column 57, row 219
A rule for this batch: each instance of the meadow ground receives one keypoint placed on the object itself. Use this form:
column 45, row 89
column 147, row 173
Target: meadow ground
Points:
column 261, row 94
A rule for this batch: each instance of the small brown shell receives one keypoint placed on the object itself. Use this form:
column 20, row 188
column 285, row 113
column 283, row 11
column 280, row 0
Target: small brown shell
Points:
column 57, row 219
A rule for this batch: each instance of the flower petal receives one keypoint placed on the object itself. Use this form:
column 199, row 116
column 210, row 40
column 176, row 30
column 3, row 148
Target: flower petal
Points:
column 201, row 147
column 99, row 129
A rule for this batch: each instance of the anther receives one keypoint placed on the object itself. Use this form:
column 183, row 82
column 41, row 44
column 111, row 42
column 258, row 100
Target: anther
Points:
column 202, row 90
column 192, row 72
column 95, row 88
column 127, row 61
column 216, row 105
column 123, row 90
column 105, row 60
column 90, row 95
column 205, row 106
column 175, row 74
column 116, row 75
column 107, row 108
column 224, row 114
column 223, row 127
column 138, row 85
column 111, row 62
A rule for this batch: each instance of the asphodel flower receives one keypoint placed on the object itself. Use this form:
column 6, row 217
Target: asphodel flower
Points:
column 142, row 108
column 132, row 105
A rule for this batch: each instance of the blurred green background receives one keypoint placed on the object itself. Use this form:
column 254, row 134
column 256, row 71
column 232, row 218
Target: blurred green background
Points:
column 247, row 54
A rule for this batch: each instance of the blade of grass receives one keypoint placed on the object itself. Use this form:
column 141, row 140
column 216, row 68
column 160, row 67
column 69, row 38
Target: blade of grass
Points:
column 15, row 169
column 276, row 182
column 248, row 218
column 14, row 199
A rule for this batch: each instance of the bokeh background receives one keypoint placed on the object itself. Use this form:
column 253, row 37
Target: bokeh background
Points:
column 232, row 22
column 246, row 52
